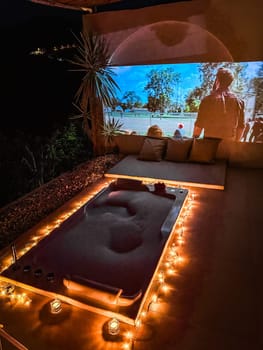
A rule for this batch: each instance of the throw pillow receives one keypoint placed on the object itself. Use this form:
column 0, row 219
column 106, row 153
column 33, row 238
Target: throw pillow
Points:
column 152, row 149
column 178, row 149
column 204, row 150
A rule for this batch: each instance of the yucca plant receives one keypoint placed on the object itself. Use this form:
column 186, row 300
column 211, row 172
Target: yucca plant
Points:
column 98, row 87
column 111, row 128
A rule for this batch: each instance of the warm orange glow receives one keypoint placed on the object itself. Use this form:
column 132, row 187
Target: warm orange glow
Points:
column 143, row 314
column 171, row 271
column 43, row 230
column 165, row 288
column 173, row 258
column 55, row 306
column 161, row 276
column 8, row 291
column 180, row 259
column 92, row 293
column 129, row 335
column 154, row 298
column 171, row 183
column 180, row 241
column 113, row 326
column 138, row 323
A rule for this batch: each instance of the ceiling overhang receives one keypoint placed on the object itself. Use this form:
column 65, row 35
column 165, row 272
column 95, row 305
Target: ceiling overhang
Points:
column 102, row 5
column 81, row 5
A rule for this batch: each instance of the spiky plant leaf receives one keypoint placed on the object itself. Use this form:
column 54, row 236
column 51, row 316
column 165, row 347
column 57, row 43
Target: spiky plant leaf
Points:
column 98, row 87
column 92, row 59
column 111, row 128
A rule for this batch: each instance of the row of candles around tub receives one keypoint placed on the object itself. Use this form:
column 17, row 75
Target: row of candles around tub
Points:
column 171, row 259
column 14, row 297
column 17, row 252
column 168, row 267
column 8, row 290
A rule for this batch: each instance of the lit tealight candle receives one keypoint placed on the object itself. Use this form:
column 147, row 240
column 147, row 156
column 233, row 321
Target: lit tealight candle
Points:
column 55, row 306
column 113, row 326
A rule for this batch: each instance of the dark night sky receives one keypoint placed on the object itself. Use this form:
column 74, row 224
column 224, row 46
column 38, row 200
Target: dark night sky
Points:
column 35, row 23
column 35, row 90
column 13, row 12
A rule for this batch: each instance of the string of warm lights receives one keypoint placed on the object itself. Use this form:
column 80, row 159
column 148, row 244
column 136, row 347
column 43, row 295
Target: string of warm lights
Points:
column 172, row 258
column 46, row 229
column 168, row 265
column 8, row 291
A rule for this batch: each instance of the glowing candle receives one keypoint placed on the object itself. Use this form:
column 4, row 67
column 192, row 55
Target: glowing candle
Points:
column 138, row 323
column 129, row 335
column 55, row 306
column 143, row 314
column 154, row 298
column 113, row 326
column 161, row 277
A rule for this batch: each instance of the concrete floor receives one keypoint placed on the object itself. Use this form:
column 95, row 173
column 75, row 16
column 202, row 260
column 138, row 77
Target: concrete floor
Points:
column 215, row 298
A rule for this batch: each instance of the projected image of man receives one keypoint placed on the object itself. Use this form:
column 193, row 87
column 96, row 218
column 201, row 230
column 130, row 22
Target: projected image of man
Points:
column 221, row 114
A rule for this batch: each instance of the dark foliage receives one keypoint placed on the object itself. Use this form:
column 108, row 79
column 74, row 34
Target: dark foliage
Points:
column 27, row 211
column 29, row 161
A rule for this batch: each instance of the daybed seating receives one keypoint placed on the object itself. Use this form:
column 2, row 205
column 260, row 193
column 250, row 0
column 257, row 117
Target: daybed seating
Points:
column 191, row 162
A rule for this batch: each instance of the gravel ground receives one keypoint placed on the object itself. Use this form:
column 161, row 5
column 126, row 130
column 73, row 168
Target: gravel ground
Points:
column 24, row 213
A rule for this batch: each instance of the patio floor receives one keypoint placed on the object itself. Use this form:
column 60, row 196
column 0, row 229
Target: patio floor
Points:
column 214, row 299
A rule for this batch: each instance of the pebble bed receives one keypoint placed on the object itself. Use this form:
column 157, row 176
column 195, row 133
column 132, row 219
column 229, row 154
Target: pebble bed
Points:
column 19, row 216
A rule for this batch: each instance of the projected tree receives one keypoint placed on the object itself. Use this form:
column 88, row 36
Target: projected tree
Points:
column 192, row 101
column 161, row 88
column 130, row 100
column 258, row 87
column 207, row 77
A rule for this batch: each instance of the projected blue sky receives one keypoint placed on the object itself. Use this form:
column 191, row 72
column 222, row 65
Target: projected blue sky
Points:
column 134, row 78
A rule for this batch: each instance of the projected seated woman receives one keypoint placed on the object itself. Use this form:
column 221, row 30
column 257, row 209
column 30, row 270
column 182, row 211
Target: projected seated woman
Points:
column 154, row 131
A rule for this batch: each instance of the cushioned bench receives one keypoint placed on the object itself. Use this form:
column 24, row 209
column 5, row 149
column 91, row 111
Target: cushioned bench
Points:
column 185, row 174
column 182, row 162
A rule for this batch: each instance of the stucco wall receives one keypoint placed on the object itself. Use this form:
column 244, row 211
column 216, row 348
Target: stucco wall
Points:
column 192, row 31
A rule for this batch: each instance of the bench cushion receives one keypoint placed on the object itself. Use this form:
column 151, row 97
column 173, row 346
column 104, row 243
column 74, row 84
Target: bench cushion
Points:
column 152, row 149
column 191, row 174
column 178, row 150
column 204, row 150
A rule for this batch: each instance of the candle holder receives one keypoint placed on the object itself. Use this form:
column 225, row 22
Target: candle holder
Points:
column 113, row 326
column 55, row 306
